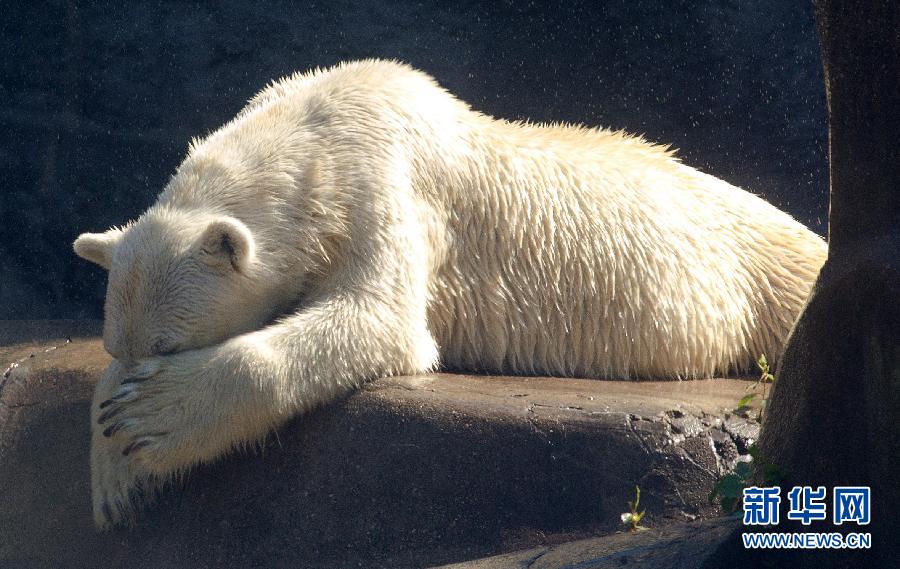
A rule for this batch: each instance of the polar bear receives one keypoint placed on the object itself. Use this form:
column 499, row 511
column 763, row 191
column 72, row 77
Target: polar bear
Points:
column 360, row 222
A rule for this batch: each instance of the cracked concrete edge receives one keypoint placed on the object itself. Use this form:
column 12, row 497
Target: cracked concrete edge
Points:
column 11, row 366
column 22, row 340
column 29, row 345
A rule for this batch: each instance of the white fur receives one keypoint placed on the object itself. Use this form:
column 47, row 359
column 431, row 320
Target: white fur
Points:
column 393, row 229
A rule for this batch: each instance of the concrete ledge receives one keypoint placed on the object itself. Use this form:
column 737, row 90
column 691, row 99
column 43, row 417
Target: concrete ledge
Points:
column 408, row 472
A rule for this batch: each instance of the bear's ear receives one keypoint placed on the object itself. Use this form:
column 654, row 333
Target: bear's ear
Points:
column 226, row 242
column 98, row 247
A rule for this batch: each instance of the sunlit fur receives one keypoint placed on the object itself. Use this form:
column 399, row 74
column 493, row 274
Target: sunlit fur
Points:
column 395, row 230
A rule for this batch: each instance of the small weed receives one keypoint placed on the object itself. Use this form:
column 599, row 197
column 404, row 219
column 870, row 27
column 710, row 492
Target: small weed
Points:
column 765, row 378
column 633, row 518
column 730, row 488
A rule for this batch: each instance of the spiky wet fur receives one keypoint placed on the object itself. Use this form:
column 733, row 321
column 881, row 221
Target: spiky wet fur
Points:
column 399, row 230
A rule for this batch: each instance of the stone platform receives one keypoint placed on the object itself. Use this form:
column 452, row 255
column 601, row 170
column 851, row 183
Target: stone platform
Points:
column 407, row 472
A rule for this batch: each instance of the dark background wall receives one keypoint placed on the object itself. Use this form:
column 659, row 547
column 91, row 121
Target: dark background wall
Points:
column 99, row 100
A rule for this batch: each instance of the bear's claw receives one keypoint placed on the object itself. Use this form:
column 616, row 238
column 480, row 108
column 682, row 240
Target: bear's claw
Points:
column 134, row 379
column 136, row 445
column 116, row 427
column 109, row 414
column 123, row 395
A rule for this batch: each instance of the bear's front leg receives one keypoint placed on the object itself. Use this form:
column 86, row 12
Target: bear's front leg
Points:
column 171, row 412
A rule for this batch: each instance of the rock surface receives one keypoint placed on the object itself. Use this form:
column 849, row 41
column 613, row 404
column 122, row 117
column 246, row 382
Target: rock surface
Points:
column 407, row 472
column 682, row 546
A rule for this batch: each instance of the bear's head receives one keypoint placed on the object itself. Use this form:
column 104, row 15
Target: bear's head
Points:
column 177, row 281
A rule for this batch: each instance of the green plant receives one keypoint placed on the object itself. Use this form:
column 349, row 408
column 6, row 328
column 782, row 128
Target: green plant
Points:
column 633, row 518
column 730, row 488
column 765, row 378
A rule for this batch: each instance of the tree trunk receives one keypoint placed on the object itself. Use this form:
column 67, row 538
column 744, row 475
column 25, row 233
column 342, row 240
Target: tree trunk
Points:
column 834, row 415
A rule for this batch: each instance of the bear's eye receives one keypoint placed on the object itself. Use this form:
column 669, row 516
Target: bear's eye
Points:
column 163, row 347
